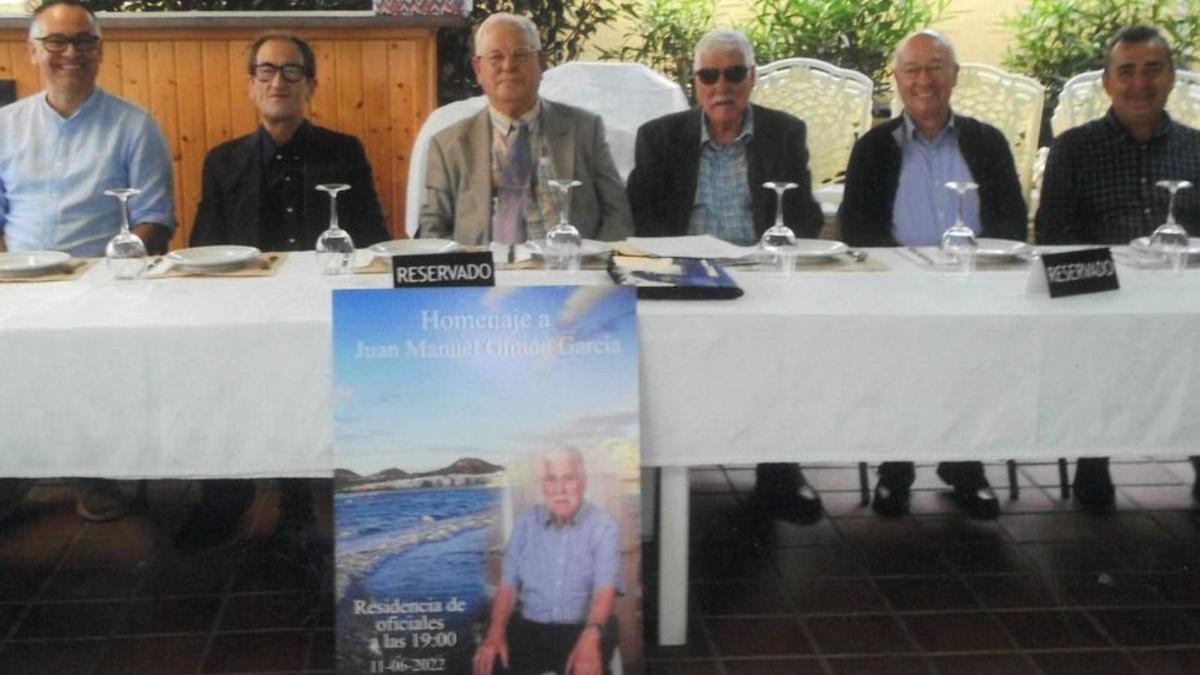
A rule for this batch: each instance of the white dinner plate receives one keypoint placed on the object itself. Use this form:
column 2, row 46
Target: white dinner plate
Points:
column 819, row 248
column 1142, row 245
column 591, row 247
column 1000, row 248
column 414, row 247
column 31, row 262
column 209, row 257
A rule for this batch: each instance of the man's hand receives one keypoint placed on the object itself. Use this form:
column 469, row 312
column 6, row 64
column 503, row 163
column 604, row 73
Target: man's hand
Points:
column 585, row 656
column 485, row 656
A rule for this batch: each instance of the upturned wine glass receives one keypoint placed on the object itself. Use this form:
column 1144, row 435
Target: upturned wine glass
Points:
column 335, row 248
column 958, row 241
column 1170, row 238
column 125, row 253
column 564, row 246
column 778, row 244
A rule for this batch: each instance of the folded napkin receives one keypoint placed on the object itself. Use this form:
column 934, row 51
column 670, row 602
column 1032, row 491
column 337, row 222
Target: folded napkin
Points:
column 265, row 265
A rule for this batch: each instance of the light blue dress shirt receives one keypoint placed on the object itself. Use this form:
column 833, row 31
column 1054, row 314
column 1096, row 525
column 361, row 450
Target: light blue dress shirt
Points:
column 555, row 569
column 924, row 207
column 54, row 171
column 722, row 206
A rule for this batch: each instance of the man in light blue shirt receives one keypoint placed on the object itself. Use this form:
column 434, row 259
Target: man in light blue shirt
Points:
column 561, row 574
column 62, row 149
column 68, row 144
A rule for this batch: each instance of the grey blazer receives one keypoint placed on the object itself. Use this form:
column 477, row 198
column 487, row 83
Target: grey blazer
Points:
column 458, row 179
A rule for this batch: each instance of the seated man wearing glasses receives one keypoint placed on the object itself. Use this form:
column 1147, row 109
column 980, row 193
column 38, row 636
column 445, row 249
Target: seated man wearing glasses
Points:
column 486, row 178
column 895, row 195
column 259, row 190
column 701, row 172
column 63, row 147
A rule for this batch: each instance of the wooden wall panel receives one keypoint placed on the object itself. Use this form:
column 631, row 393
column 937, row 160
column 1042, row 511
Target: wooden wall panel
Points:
column 376, row 82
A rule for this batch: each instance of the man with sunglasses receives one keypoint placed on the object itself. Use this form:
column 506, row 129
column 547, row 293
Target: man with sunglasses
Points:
column 259, row 190
column 895, row 195
column 486, row 178
column 63, row 147
column 701, row 172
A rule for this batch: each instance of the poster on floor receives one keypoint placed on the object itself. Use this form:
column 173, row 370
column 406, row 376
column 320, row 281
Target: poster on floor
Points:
column 487, row 487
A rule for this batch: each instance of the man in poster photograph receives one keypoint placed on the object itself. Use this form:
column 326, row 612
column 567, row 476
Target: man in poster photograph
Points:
column 553, row 610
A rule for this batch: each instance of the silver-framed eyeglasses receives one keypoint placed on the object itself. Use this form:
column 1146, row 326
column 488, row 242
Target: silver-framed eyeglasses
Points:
column 292, row 72
column 57, row 43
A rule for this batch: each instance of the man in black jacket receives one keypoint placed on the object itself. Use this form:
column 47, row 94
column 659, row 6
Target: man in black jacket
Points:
column 258, row 190
column 894, row 195
column 701, row 172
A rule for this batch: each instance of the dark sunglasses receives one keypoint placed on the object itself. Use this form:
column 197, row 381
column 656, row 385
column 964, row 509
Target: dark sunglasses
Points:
column 265, row 72
column 733, row 74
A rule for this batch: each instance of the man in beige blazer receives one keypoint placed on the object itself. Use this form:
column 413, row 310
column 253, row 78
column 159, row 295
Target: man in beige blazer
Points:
column 468, row 161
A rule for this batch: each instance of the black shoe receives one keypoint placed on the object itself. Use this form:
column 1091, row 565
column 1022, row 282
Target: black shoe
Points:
column 891, row 501
column 1095, row 492
column 980, row 502
column 801, row 505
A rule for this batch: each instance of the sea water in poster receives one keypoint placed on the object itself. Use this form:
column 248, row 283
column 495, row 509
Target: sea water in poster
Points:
column 487, row 457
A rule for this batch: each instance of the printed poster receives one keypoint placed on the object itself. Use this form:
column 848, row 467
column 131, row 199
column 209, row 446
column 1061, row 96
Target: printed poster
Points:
column 487, row 489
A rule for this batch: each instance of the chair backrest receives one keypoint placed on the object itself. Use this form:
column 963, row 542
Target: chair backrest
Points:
column 1010, row 102
column 834, row 103
column 438, row 119
column 624, row 95
column 1083, row 99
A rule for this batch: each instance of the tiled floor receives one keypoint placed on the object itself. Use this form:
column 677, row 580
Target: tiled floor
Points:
column 1044, row 589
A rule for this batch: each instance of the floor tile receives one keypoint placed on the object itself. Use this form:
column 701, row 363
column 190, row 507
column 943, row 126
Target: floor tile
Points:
column 688, row 667
column 1167, row 661
column 71, row 619
column 170, row 615
column 811, row 666
column 268, row 610
column 892, row 665
column 55, row 657
column 760, row 596
column 832, row 561
column 1051, row 629
column 956, row 632
column 987, row 557
column 905, row 559
column 1141, row 473
column 989, row 664
column 768, row 636
column 152, row 655
column 696, row 645
column 256, row 652
column 1160, row 497
column 926, row 593
column 1103, row 589
column 93, row 583
column 10, row 613
column 831, row 596
column 1012, row 591
column 1085, row 663
column 1143, row 627
column 322, row 654
column 858, row 634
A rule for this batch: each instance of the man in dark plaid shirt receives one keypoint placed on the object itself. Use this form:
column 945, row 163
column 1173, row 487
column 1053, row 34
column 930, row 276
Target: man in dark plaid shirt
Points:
column 1099, row 186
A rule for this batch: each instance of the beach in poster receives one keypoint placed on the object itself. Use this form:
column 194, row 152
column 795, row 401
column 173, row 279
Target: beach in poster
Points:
column 455, row 413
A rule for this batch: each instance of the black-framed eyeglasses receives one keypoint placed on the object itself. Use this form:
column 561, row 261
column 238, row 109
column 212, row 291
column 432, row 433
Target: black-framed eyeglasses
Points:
column 733, row 74
column 265, row 72
column 58, row 43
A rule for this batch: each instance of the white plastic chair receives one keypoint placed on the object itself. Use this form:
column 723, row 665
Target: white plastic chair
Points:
column 1083, row 99
column 835, row 104
column 625, row 95
column 438, row 119
column 1010, row 102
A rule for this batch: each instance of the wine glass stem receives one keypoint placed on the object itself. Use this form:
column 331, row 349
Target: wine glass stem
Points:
column 124, row 214
column 333, row 214
column 1171, row 207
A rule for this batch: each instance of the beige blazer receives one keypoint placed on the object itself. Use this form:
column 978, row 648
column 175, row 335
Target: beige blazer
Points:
column 458, row 181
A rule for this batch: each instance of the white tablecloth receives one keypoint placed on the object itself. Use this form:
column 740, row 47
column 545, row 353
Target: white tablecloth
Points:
column 231, row 377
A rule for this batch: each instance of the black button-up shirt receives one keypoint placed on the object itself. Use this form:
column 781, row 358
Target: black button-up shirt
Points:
column 282, row 202
column 1099, row 185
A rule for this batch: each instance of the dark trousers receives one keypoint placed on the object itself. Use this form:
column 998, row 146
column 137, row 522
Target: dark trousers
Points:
column 535, row 648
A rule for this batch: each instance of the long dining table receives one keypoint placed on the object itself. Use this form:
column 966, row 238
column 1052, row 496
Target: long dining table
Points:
column 204, row 377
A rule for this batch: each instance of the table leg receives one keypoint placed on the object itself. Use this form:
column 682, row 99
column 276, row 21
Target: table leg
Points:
column 673, row 556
